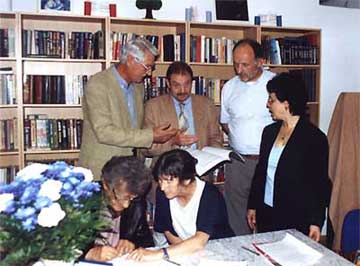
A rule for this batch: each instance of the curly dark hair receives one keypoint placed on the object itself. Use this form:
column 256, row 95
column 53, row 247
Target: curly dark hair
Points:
column 127, row 170
column 176, row 163
column 291, row 88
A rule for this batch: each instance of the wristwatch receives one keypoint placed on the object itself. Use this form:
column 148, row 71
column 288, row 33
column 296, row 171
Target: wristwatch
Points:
column 165, row 254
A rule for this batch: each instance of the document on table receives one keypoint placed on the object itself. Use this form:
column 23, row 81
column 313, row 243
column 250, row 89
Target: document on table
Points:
column 121, row 261
column 289, row 251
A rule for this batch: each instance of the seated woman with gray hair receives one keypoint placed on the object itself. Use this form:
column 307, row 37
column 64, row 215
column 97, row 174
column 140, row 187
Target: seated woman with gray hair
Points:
column 125, row 181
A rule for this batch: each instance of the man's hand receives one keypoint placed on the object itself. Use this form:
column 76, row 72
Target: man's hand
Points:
column 182, row 139
column 124, row 246
column 101, row 253
column 251, row 218
column 163, row 133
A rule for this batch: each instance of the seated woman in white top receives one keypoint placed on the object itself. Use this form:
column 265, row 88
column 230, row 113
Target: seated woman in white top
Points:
column 189, row 211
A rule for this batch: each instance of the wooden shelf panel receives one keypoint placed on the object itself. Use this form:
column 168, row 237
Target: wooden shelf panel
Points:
column 8, row 112
column 219, row 71
column 55, row 111
column 146, row 26
column 63, row 22
column 229, row 31
column 10, row 59
column 7, row 20
column 292, row 66
column 9, row 159
column 62, row 68
column 52, row 155
column 288, row 31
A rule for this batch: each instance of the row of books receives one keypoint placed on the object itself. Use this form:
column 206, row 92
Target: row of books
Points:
column 290, row 51
column 171, row 47
column 7, row 174
column 7, row 86
column 58, row 44
column 7, row 43
column 210, row 87
column 154, row 86
column 39, row 89
column 8, row 135
column 211, row 50
column 42, row 133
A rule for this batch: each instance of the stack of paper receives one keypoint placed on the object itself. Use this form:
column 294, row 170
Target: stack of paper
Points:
column 289, row 251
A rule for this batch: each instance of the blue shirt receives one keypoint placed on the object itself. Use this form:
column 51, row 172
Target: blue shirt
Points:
column 274, row 157
column 128, row 91
column 189, row 115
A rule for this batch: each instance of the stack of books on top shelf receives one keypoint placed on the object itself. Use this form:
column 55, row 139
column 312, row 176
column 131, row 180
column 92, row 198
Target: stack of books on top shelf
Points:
column 171, row 46
column 290, row 50
column 211, row 50
column 58, row 44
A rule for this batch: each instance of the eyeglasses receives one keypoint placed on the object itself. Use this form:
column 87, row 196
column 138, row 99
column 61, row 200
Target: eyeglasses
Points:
column 146, row 67
column 126, row 198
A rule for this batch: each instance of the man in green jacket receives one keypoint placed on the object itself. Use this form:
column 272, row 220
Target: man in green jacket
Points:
column 113, row 109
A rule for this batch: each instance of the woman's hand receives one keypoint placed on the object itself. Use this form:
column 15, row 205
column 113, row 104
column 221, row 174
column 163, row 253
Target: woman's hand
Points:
column 101, row 253
column 251, row 218
column 142, row 254
column 314, row 233
column 124, row 246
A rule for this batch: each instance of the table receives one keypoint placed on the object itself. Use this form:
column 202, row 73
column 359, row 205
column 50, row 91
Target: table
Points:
column 224, row 251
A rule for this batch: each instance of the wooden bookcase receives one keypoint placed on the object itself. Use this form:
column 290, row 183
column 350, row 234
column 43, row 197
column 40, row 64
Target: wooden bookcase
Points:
column 23, row 65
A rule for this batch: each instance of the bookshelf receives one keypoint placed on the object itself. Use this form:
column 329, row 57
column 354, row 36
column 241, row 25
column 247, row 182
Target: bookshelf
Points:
column 69, row 31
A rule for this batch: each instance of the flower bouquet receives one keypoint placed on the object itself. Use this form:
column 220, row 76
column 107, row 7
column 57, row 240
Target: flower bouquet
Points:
column 48, row 211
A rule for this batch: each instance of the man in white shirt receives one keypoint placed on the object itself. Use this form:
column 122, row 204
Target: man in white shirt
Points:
column 243, row 118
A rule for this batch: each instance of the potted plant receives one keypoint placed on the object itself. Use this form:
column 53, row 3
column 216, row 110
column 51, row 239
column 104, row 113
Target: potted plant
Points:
column 48, row 211
column 149, row 5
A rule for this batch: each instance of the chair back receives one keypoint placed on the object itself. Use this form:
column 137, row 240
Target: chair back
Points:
column 350, row 237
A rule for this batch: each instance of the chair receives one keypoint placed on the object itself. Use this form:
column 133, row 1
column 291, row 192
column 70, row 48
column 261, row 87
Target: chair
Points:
column 350, row 238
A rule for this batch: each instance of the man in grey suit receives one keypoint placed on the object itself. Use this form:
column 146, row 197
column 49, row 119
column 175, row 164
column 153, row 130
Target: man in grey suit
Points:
column 113, row 109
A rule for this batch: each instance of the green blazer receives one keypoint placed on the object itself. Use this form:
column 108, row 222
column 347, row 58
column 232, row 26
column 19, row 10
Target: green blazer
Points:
column 107, row 127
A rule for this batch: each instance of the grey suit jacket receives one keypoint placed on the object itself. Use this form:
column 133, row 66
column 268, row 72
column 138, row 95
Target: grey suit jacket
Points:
column 206, row 119
column 107, row 128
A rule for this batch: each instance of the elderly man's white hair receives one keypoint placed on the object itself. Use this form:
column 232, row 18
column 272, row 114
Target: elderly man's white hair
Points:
column 137, row 48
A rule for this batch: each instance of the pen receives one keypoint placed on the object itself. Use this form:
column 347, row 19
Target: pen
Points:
column 250, row 250
column 173, row 262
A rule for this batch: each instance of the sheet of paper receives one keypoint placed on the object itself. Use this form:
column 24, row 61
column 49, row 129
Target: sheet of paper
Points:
column 290, row 251
column 122, row 261
column 210, row 262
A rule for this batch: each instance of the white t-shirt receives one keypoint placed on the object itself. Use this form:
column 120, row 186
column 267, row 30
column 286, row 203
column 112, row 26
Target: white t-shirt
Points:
column 184, row 218
column 243, row 108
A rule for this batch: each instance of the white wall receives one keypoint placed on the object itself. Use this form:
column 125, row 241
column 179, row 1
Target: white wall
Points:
column 340, row 35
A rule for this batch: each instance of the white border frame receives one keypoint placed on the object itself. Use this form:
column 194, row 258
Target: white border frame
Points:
column 54, row 10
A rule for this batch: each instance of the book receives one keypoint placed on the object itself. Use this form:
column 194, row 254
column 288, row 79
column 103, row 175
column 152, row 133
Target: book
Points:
column 289, row 251
column 209, row 157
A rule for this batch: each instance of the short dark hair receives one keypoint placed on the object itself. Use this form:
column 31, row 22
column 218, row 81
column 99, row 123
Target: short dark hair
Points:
column 179, row 68
column 176, row 163
column 127, row 170
column 257, row 48
column 291, row 88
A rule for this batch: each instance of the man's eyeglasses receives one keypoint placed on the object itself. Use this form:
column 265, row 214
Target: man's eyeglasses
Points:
column 146, row 67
